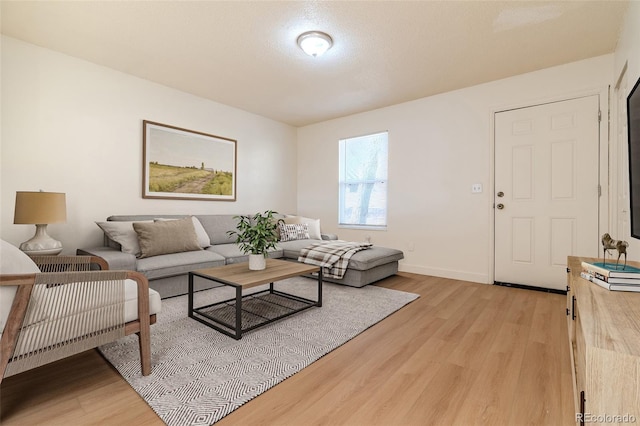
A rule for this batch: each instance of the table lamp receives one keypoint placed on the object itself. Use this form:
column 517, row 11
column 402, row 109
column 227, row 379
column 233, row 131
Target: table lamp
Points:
column 40, row 209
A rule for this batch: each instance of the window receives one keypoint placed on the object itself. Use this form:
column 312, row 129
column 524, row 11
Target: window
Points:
column 363, row 181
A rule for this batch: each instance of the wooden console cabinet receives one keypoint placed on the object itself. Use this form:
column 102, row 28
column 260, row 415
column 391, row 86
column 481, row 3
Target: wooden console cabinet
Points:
column 604, row 334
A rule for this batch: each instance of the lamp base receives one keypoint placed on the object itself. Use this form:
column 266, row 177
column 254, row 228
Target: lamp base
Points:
column 41, row 244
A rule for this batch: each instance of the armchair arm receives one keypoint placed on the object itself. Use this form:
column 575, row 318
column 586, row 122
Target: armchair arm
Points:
column 16, row 315
column 142, row 327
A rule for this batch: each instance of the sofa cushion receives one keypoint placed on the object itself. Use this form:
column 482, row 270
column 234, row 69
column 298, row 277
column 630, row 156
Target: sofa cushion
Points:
column 123, row 234
column 166, row 265
column 313, row 224
column 291, row 249
column 12, row 261
column 164, row 237
column 374, row 256
column 293, row 231
column 82, row 305
column 230, row 252
column 233, row 254
column 131, row 301
column 362, row 260
column 217, row 227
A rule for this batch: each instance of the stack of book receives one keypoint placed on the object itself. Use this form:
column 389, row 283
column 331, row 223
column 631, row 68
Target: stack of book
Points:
column 606, row 275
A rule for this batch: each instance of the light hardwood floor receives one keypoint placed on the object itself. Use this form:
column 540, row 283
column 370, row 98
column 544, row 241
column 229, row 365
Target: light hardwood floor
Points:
column 461, row 354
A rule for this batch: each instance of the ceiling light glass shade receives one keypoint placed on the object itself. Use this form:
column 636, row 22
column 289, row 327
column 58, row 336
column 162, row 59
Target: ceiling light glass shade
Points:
column 314, row 43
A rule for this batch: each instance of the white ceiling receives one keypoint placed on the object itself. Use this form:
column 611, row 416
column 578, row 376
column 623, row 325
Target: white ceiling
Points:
column 244, row 53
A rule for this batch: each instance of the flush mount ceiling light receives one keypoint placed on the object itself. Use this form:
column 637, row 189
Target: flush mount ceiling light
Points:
column 314, row 43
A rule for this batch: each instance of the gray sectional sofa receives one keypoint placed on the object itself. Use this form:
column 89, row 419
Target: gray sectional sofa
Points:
column 168, row 273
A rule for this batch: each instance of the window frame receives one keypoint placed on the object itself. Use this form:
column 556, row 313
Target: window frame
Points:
column 343, row 182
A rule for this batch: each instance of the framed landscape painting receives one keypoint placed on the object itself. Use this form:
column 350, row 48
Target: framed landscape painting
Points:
column 184, row 164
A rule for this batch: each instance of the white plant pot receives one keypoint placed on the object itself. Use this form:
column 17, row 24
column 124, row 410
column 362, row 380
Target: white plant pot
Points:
column 257, row 262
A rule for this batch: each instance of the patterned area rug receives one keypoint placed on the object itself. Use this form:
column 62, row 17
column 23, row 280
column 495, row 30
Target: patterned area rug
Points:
column 200, row 375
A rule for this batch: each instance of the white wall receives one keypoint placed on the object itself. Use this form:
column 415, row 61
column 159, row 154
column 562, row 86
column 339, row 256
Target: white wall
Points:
column 627, row 52
column 438, row 147
column 75, row 127
column 628, row 49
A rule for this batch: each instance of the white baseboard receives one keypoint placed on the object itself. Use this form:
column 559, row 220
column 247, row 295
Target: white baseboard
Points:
column 445, row 273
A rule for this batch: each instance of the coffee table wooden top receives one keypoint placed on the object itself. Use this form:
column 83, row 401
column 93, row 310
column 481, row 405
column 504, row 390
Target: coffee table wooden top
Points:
column 239, row 274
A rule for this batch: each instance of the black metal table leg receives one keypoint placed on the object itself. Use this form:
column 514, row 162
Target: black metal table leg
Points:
column 190, row 309
column 238, row 313
column 319, row 304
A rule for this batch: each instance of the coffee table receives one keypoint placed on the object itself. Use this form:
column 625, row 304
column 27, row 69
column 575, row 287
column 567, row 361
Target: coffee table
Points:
column 246, row 312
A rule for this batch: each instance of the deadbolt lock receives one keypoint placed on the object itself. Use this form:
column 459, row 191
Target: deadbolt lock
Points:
column 500, row 194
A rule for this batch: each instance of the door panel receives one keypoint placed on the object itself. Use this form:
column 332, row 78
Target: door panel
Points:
column 522, row 179
column 546, row 166
column 523, row 239
column 562, row 172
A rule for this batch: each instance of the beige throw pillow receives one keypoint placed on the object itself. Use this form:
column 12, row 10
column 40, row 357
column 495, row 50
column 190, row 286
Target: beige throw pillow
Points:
column 164, row 237
column 201, row 233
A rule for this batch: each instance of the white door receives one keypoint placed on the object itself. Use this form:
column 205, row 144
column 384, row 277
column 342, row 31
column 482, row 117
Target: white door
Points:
column 546, row 190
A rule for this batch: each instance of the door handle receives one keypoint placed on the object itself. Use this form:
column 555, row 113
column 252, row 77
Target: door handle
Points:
column 500, row 206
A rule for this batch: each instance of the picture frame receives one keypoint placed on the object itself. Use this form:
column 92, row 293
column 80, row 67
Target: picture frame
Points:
column 182, row 164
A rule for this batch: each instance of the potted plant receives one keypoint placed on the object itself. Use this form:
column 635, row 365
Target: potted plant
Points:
column 255, row 235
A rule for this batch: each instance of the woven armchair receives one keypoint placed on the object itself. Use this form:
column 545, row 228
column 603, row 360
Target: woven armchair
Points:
column 73, row 305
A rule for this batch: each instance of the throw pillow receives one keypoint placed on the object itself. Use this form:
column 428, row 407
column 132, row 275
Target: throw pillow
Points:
column 201, row 233
column 164, row 237
column 12, row 261
column 314, row 225
column 294, row 231
column 123, row 234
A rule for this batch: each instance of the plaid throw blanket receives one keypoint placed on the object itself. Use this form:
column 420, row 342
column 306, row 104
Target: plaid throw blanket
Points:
column 333, row 257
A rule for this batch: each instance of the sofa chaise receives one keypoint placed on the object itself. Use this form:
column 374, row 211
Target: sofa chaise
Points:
column 168, row 272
